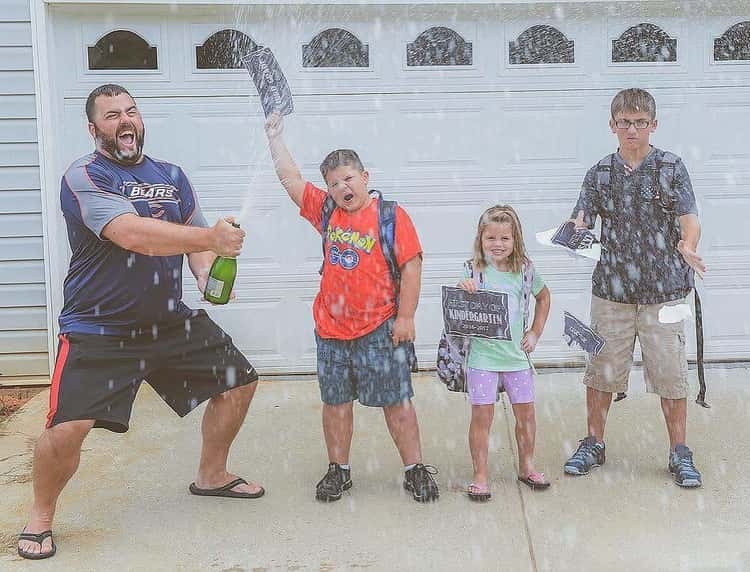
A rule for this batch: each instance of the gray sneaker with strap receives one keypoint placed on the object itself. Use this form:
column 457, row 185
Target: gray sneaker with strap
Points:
column 683, row 469
column 590, row 454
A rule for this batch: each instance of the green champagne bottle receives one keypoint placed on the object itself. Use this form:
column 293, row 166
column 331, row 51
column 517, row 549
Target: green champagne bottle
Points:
column 221, row 278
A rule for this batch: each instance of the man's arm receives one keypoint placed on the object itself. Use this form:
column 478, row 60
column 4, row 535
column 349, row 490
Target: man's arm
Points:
column 690, row 229
column 154, row 237
column 411, row 281
column 286, row 169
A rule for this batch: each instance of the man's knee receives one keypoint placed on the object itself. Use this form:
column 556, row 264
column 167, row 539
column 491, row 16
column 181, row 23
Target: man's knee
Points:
column 66, row 438
column 241, row 394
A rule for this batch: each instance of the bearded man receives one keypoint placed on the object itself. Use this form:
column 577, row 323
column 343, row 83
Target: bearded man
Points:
column 130, row 220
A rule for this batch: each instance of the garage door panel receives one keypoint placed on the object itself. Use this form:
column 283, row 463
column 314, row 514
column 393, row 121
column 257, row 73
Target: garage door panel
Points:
column 725, row 143
column 731, row 215
column 545, row 142
column 234, row 131
column 253, row 323
column 446, row 233
column 303, row 314
column 445, row 141
column 429, row 323
column 319, row 127
column 444, row 137
column 726, row 327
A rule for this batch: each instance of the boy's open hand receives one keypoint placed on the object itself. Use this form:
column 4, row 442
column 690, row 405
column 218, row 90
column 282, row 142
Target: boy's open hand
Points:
column 691, row 257
column 274, row 125
column 403, row 330
column 469, row 285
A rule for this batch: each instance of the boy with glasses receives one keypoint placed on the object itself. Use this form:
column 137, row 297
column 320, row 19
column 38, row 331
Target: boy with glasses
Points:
column 649, row 235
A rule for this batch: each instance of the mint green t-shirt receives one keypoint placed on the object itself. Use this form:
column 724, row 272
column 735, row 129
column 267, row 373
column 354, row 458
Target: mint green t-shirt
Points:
column 504, row 355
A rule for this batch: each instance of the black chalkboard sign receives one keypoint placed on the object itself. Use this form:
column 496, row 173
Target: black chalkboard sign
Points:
column 578, row 333
column 574, row 238
column 483, row 314
column 272, row 86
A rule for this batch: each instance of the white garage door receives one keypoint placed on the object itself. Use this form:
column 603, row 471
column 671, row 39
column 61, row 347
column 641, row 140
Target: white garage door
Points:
column 489, row 124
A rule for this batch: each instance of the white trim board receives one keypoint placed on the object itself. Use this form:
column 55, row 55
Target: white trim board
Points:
column 52, row 222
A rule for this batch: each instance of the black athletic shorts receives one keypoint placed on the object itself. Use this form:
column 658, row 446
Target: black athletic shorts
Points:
column 186, row 362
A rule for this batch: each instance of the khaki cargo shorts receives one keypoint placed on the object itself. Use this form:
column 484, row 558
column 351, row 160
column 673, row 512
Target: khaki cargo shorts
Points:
column 662, row 345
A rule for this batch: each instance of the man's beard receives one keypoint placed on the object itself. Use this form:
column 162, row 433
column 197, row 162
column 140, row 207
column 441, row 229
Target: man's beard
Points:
column 109, row 144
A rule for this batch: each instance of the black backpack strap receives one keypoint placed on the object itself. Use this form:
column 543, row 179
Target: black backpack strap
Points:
column 666, row 164
column 329, row 205
column 701, row 399
column 604, row 184
column 387, row 236
column 604, row 174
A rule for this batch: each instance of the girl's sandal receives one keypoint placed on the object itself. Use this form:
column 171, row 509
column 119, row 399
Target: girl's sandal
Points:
column 479, row 493
column 535, row 481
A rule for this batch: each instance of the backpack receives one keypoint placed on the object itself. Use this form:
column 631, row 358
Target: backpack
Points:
column 453, row 350
column 664, row 179
column 387, row 238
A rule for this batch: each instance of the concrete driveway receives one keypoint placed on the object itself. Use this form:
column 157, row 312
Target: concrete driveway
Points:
column 128, row 507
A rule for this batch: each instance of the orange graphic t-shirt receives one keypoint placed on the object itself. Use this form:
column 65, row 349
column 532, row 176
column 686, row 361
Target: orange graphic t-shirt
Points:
column 356, row 289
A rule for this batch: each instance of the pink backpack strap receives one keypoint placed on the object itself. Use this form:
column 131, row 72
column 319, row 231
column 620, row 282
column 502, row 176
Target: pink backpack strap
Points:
column 528, row 281
column 477, row 277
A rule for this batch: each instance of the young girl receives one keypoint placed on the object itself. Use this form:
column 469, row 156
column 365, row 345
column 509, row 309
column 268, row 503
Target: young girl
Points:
column 498, row 264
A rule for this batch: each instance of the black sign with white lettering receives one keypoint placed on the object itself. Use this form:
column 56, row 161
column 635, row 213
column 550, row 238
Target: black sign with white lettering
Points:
column 483, row 314
column 578, row 333
column 574, row 238
column 272, row 86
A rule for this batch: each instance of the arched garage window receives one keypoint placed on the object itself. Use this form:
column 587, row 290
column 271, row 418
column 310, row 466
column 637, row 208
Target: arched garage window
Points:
column 644, row 43
column 224, row 50
column 541, row 45
column 734, row 44
column 335, row 48
column 439, row 46
column 122, row 50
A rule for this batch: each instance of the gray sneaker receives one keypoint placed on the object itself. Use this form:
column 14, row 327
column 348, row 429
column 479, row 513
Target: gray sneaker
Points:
column 682, row 468
column 590, row 454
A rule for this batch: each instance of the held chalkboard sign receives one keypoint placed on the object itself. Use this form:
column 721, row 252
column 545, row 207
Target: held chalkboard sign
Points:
column 272, row 86
column 569, row 236
column 483, row 314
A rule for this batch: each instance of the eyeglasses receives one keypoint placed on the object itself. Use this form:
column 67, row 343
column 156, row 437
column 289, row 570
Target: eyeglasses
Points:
column 626, row 123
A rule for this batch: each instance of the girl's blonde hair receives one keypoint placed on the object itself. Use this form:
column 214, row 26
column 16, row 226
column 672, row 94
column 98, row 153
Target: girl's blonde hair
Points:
column 500, row 214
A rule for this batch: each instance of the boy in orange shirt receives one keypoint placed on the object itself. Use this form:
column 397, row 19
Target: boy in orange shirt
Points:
column 364, row 323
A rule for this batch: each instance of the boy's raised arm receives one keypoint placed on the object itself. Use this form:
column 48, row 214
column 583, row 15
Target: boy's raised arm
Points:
column 286, row 169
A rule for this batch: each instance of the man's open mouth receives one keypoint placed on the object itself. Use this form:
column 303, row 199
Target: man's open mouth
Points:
column 127, row 138
column 348, row 197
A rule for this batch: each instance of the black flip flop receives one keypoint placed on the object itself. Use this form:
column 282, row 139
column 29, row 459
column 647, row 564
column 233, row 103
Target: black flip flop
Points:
column 226, row 491
column 39, row 539
column 533, row 484
column 479, row 494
